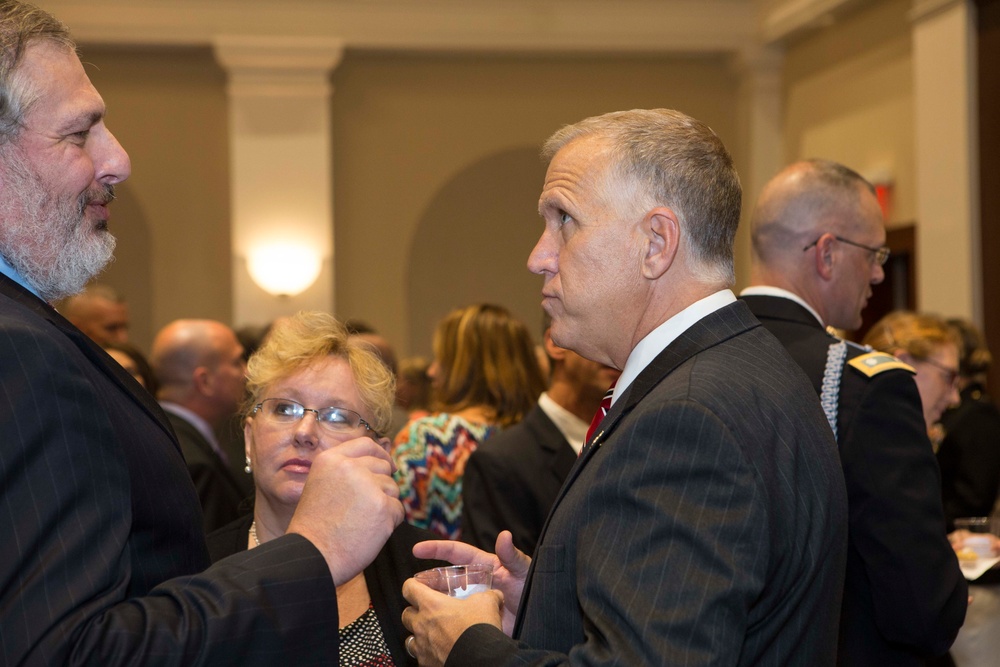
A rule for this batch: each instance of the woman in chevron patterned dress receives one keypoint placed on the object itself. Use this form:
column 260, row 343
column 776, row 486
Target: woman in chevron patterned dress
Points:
column 486, row 376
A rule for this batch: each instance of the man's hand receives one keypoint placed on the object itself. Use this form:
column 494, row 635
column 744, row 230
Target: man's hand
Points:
column 510, row 568
column 437, row 621
column 349, row 506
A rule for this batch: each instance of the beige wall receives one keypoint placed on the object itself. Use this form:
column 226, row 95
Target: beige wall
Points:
column 437, row 176
column 849, row 98
column 168, row 109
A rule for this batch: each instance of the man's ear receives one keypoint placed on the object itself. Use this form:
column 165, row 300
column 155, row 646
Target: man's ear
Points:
column 824, row 258
column 202, row 379
column 663, row 236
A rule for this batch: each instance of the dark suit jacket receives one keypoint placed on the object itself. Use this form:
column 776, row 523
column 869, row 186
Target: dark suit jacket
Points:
column 219, row 494
column 511, row 481
column 905, row 595
column 394, row 564
column 706, row 526
column 969, row 456
column 103, row 550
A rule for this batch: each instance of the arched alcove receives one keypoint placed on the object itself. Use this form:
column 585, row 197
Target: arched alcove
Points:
column 472, row 244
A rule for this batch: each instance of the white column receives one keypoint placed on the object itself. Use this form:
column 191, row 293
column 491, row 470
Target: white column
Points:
column 281, row 163
column 949, row 275
column 761, row 140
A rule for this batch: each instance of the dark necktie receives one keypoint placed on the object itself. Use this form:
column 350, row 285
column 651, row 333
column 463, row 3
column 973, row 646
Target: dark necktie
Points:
column 599, row 415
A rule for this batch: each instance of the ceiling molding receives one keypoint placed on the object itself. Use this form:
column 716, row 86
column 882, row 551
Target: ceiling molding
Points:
column 508, row 26
column 789, row 18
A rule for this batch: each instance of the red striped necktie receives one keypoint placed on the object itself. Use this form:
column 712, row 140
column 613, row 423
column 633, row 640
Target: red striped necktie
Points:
column 601, row 411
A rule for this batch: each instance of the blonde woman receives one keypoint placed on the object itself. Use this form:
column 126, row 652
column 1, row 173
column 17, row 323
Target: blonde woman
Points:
column 312, row 387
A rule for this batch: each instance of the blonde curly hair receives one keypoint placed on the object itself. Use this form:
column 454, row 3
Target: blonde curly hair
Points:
column 297, row 341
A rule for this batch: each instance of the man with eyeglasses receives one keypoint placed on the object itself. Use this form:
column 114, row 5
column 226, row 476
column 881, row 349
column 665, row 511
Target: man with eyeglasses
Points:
column 103, row 560
column 818, row 247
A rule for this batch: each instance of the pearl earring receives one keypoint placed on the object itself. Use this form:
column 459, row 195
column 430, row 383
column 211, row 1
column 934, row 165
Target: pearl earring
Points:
column 248, row 469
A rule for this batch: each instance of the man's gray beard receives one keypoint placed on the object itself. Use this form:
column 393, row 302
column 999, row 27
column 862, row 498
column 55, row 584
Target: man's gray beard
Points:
column 47, row 241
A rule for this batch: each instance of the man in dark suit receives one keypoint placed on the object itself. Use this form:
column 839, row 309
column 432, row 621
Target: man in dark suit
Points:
column 513, row 478
column 705, row 521
column 199, row 366
column 103, row 556
column 818, row 247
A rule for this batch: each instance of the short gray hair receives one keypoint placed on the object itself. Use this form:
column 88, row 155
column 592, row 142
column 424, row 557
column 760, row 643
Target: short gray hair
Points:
column 20, row 25
column 672, row 160
column 823, row 196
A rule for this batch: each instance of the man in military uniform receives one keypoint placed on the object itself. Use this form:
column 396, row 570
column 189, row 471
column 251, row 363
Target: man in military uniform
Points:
column 818, row 246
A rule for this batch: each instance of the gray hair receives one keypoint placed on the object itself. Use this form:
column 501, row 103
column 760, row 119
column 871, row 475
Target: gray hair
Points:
column 20, row 25
column 666, row 158
column 823, row 193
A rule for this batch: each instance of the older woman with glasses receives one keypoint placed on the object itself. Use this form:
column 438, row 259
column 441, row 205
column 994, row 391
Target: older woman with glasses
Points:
column 930, row 346
column 312, row 387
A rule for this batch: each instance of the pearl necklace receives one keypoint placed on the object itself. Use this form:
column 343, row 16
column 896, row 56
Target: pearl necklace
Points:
column 253, row 533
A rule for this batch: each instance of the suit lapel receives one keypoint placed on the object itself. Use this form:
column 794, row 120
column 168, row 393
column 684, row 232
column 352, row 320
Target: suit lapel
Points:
column 711, row 330
column 715, row 328
column 89, row 348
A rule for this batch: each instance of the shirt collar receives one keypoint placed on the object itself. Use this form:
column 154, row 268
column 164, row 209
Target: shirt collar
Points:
column 572, row 427
column 11, row 272
column 200, row 424
column 658, row 339
column 767, row 290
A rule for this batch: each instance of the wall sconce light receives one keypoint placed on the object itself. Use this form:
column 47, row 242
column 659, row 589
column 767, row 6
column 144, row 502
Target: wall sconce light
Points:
column 284, row 269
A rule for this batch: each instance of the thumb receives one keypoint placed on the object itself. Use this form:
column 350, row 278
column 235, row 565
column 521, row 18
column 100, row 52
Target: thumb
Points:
column 512, row 558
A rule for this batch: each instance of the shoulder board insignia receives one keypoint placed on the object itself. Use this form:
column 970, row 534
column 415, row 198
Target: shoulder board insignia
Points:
column 873, row 363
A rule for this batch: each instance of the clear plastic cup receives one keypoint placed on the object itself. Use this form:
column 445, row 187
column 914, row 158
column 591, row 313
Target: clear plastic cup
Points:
column 973, row 524
column 458, row 581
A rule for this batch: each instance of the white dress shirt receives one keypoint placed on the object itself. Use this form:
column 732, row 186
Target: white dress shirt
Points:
column 572, row 427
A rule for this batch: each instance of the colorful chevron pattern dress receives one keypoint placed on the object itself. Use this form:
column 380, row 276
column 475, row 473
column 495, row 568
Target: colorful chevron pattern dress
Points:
column 430, row 455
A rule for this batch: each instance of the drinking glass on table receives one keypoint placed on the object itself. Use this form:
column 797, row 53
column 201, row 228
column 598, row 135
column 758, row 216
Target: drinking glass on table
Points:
column 972, row 534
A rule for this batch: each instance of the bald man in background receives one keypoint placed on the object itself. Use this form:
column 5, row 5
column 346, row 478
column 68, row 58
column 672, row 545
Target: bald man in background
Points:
column 100, row 312
column 202, row 375
column 818, row 248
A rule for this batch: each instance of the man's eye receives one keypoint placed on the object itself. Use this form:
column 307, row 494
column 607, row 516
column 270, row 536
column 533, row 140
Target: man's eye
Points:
column 80, row 137
column 564, row 218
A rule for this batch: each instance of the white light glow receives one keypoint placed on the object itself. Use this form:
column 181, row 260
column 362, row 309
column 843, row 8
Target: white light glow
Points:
column 284, row 269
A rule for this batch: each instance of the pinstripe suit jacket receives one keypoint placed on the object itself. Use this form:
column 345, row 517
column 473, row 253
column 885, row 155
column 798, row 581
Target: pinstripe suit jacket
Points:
column 707, row 525
column 102, row 553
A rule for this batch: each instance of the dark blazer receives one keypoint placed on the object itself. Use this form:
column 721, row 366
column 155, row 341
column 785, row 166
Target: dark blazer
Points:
column 218, row 492
column 969, row 456
column 393, row 565
column 905, row 596
column 707, row 525
column 103, row 550
column 511, row 481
